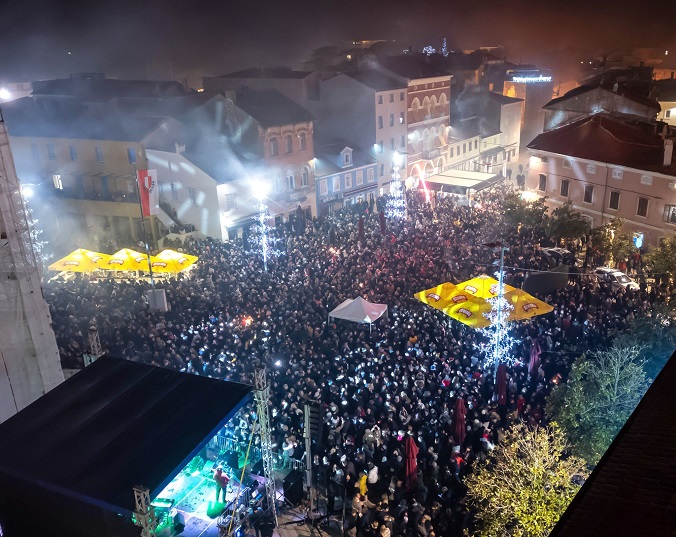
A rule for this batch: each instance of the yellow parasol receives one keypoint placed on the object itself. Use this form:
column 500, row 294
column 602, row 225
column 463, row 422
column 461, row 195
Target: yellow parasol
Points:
column 483, row 287
column 127, row 259
column 525, row 306
column 172, row 261
column 457, row 304
column 81, row 260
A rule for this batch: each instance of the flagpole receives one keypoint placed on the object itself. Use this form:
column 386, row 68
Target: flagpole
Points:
column 143, row 228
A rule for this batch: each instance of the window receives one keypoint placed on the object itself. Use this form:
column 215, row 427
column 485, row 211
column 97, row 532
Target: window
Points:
column 360, row 178
column 131, row 155
column 73, row 153
column 35, row 151
column 670, row 214
column 403, row 141
column 288, row 144
column 588, row 194
column 647, row 180
column 382, row 170
column 174, row 192
column 642, row 209
column 565, row 183
column 303, row 141
column 380, row 99
column 369, row 175
column 464, row 149
column 274, row 148
column 380, row 146
column 323, row 187
column 380, row 122
column 348, row 181
column 56, row 179
column 617, row 174
column 591, row 168
column 567, row 164
column 304, row 177
column 451, row 153
column 230, row 201
column 401, row 118
column 476, row 144
column 79, row 185
column 391, row 97
column 51, row 152
column 336, row 184
column 542, row 183
column 544, row 159
column 290, row 180
column 667, row 114
column 104, row 185
column 99, row 154
column 392, row 144
column 614, row 202
column 391, row 120
column 347, row 158
column 162, row 190
column 192, row 196
column 402, row 96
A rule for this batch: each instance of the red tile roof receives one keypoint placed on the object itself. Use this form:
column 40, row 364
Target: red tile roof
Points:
column 604, row 138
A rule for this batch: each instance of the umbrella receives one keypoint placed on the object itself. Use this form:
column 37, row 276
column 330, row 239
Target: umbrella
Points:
column 81, row 260
column 411, row 476
column 502, row 384
column 172, row 261
column 525, row 306
column 484, row 287
column 460, row 420
column 127, row 259
column 457, row 304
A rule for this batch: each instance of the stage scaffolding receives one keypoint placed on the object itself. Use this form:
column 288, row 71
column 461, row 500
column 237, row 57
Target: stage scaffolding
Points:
column 262, row 396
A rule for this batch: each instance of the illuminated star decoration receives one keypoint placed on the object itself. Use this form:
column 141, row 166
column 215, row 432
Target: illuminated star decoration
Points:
column 262, row 241
column 396, row 204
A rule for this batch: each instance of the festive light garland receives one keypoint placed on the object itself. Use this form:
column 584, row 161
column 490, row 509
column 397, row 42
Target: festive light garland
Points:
column 396, row 204
column 261, row 240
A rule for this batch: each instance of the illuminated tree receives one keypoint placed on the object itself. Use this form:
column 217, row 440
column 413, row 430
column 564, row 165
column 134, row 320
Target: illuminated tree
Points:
column 526, row 483
column 519, row 211
column 444, row 48
column 602, row 390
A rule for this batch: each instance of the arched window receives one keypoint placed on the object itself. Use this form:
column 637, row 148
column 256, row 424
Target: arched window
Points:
column 290, row 180
column 302, row 138
column 288, row 144
column 274, row 147
column 304, row 177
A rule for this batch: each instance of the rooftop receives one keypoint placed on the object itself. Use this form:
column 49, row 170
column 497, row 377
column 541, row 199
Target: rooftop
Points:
column 587, row 88
column 412, row 66
column 329, row 159
column 632, row 491
column 377, row 80
column 25, row 119
column 604, row 138
column 268, row 72
column 271, row 109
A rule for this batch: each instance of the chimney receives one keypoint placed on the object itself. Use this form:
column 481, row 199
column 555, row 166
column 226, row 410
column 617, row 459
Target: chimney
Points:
column 668, row 152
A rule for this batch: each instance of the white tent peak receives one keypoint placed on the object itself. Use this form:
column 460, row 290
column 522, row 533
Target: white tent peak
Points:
column 359, row 310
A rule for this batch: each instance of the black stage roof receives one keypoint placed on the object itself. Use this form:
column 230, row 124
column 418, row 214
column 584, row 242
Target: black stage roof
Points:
column 114, row 425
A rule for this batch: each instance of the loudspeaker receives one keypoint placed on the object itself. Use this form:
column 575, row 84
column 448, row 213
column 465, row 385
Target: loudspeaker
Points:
column 179, row 523
column 257, row 469
column 293, row 487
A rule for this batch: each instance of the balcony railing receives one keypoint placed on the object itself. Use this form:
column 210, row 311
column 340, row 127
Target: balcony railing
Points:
column 74, row 194
column 429, row 154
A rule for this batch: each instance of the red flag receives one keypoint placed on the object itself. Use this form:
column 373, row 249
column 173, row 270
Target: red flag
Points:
column 148, row 190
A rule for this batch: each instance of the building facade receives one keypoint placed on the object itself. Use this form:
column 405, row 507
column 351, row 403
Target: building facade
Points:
column 535, row 88
column 608, row 169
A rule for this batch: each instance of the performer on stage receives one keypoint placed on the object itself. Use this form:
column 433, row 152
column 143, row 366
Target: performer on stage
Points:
column 222, row 481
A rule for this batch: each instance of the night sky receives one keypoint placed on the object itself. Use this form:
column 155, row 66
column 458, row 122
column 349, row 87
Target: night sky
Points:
column 179, row 38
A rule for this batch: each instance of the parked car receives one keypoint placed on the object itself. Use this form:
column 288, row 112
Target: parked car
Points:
column 616, row 278
column 560, row 255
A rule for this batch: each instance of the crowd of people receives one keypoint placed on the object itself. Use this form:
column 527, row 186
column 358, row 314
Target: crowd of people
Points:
column 408, row 405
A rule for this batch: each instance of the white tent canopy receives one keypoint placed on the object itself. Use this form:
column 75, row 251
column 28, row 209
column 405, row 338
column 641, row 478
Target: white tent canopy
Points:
column 359, row 311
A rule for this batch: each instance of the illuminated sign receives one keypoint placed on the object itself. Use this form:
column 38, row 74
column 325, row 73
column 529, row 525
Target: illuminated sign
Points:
column 531, row 79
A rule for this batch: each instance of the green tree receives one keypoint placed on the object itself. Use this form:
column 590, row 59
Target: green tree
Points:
column 526, row 483
column 602, row 390
column 518, row 211
column 622, row 247
column 566, row 223
column 662, row 258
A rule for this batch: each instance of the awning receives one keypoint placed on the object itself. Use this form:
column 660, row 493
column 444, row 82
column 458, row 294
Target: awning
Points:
column 460, row 181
